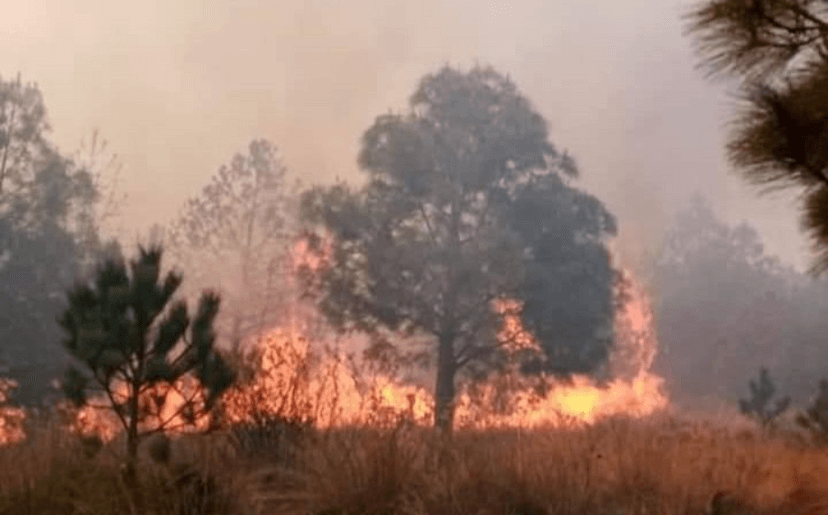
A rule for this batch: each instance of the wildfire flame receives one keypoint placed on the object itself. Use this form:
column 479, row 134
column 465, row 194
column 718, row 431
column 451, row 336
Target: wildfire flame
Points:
column 330, row 388
column 633, row 390
column 11, row 418
column 162, row 406
column 335, row 392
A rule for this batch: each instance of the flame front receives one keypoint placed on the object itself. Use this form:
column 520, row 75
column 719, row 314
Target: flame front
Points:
column 333, row 389
column 634, row 390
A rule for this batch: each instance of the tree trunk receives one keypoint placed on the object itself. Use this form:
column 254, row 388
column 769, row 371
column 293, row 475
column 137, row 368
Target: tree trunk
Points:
column 130, row 473
column 446, row 370
column 130, row 468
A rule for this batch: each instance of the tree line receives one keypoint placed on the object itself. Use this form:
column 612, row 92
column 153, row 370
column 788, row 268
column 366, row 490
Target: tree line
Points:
column 465, row 202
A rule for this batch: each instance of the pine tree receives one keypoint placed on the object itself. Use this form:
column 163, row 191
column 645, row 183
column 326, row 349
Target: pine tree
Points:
column 132, row 338
column 759, row 405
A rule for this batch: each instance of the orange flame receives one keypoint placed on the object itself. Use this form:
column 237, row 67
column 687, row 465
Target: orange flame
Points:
column 331, row 389
column 98, row 418
column 334, row 389
column 11, row 418
column 633, row 391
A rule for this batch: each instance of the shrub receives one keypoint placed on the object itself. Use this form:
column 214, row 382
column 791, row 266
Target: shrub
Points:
column 759, row 405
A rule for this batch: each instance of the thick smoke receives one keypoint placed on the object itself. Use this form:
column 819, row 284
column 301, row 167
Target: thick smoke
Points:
column 176, row 89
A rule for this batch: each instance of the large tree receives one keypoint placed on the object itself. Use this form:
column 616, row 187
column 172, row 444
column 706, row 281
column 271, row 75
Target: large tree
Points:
column 467, row 203
column 44, row 233
column 778, row 50
column 237, row 229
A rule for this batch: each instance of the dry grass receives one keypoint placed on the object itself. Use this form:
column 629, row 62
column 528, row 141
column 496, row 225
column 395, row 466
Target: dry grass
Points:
column 54, row 472
column 616, row 467
column 654, row 466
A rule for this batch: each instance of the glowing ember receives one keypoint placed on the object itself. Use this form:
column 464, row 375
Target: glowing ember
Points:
column 512, row 336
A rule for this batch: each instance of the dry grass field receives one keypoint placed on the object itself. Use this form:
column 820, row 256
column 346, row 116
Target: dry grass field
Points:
column 372, row 453
column 646, row 466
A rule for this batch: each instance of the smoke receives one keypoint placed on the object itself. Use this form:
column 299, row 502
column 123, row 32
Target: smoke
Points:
column 177, row 88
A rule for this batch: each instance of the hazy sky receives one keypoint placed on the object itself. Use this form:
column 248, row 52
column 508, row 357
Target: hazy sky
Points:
column 178, row 86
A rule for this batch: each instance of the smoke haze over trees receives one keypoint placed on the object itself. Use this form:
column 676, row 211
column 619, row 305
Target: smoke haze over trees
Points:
column 236, row 235
column 48, row 236
column 179, row 94
column 725, row 309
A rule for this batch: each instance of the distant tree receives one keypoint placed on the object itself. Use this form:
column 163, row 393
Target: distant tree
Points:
column 42, row 236
column 93, row 221
column 725, row 308
column 238, row 229
column 815, row 418
column 115, row 328
column 759, row 406
column 467, row 203
column 779, row 51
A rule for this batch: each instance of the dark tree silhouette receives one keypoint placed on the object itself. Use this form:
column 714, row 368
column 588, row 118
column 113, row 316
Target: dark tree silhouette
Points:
column 467, row 203
column 47, row 230
column 113, row 328
column 759, row 406
column 778, row 49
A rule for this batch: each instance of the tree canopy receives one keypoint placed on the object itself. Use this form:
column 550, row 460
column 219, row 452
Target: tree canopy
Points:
column 466, row 203
column 46, row 235
column 131, row 336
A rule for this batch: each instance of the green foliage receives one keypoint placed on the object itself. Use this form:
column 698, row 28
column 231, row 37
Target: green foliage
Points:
column 759, row 405
column 779, row 51
column 47, row 234
column 130, row 336
column 466, row 202
column 815, row 418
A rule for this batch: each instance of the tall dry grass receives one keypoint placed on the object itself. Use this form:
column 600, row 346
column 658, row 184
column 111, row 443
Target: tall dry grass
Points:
column 388, row 463
column 614, row 467
column 653, row 466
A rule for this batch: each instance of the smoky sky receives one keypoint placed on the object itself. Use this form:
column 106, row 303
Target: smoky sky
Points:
column 178, row 87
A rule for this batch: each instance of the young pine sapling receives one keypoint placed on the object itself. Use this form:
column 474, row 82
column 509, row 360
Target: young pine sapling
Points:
column 132, row 340
column 759, row 405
